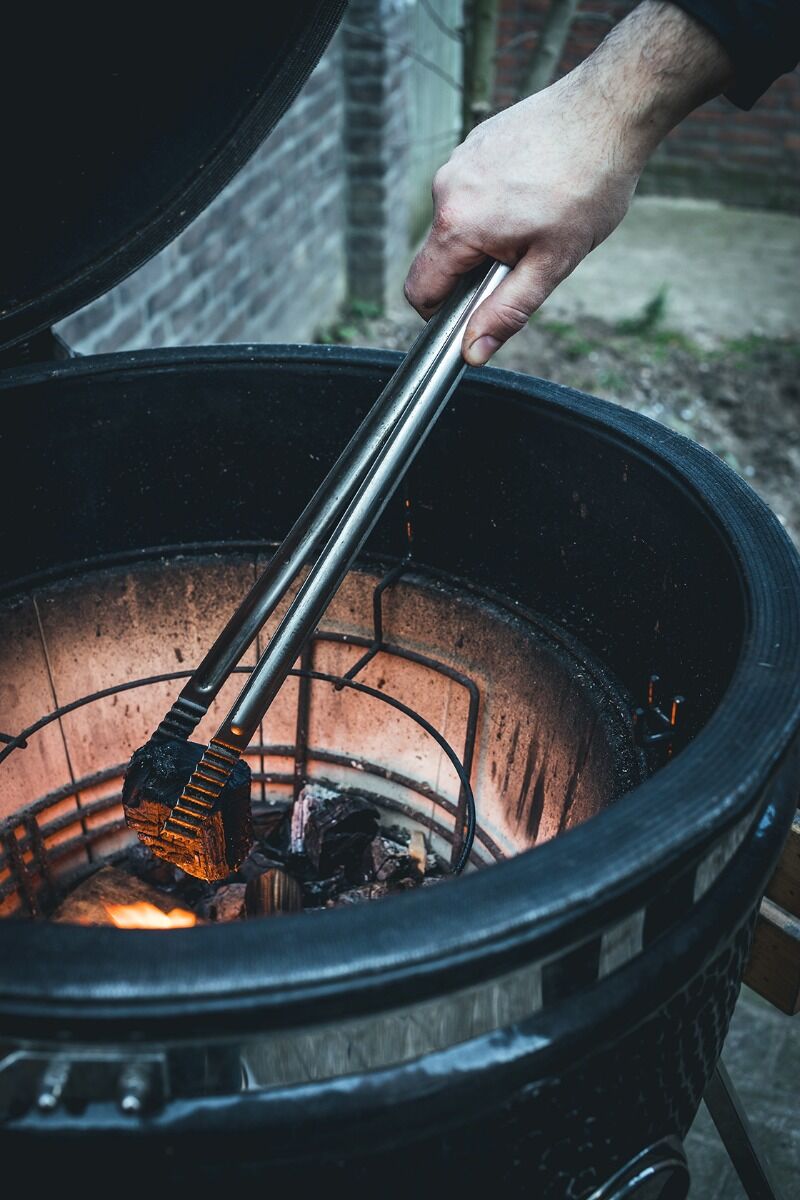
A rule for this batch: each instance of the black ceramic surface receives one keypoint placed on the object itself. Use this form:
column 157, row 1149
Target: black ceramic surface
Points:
column 648, row 549
column 646, row 546
column 118, row 138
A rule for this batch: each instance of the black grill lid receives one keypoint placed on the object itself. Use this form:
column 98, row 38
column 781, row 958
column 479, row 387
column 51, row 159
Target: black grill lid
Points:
column 117, row 138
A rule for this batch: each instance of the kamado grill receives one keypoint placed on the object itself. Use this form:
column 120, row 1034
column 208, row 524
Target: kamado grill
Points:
column 569, row 613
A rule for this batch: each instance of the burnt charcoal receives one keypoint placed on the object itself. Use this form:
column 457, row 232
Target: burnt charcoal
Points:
column 435, row 867
column 192, row 891
column 268, row 821
column 257, row 862
column 312, row 794
column 357, row 895
column 273, row 893
column 397, row 833
column 156, row 776
column 142, row 863
column 318, row 891
column 225, row 904
column 387, row 861
column 370, row 891
column 275, row 841
column 110, row 890
column 337, row 831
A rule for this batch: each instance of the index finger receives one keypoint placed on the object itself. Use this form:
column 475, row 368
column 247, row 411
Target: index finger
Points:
column 436, row 269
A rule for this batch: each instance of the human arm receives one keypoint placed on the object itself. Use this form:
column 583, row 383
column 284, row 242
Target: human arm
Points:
column 540, row 185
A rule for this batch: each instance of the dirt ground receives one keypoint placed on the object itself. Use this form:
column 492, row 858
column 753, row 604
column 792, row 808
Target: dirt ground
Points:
column 740, row 398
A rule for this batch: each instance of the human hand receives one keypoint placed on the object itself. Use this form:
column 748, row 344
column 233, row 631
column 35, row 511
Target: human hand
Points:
column 541, row 184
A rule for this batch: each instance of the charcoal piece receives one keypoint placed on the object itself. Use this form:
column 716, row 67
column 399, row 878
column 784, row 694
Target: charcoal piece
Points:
column 111, row 890
column 301, row 808
column 337, row 831
column 142, row 863
column 435, row 867
column 386, row 861
column 226, row 904
column 273, row 893
column 418, row 851
column 190, row 890
column 257, row 862
column 370, row 891
column 267, row 821
column 318, row 891
column 357, row 895
column 219, row 841
column 397, row 833
column 275, row 842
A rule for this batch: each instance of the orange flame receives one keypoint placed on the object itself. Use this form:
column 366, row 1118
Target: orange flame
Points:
column 143, row 915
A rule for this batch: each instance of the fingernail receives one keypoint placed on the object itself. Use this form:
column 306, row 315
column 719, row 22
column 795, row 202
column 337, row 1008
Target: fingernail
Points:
column 481, row 350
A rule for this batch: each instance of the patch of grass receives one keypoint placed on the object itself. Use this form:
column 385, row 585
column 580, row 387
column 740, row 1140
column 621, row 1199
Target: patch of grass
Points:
column 612, row 381
column 558, row 328
column 661, row 341
column 365, row 310
column 574, row 344
column 644, row 323
column 755, row 344
column 347, row 326
column 338, row 333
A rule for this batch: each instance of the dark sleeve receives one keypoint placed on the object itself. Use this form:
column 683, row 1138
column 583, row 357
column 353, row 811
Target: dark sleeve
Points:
column 762, row 38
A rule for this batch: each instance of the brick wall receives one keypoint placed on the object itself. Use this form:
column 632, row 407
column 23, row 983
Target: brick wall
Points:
column 321, row 211
column 376, row 36
column 265, row 262
column 718, row 151
column 319, row 214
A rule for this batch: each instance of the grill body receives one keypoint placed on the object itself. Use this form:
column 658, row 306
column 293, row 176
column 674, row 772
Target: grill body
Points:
column 542, row 1020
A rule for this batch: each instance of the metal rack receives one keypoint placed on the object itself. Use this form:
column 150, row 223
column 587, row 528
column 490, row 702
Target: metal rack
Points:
column 32, row 847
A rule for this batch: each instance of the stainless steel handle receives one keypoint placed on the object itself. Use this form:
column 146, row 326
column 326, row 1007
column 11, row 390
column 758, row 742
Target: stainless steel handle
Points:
column 415, row 396
column 440, row 338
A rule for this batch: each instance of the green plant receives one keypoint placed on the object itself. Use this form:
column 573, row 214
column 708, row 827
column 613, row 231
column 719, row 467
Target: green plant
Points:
column 364, row 310
column 612, row 381
column 575, row 344
column 755, row 344
column 646, row 321
column 338, row 333
column 349, row 323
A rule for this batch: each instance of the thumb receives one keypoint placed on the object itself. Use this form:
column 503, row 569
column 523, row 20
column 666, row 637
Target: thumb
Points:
column 508, row 308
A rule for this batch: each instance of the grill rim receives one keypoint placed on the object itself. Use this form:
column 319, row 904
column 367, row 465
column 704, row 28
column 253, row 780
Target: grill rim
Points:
column 523, row 908
column 553, row 1044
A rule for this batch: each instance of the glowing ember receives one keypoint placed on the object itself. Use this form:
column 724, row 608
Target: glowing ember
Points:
column 143, row 915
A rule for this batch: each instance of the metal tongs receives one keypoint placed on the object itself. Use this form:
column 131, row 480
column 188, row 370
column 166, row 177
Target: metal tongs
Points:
column 330, row 531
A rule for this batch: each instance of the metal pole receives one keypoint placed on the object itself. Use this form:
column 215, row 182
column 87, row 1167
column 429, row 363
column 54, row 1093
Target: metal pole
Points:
column 733, row 1127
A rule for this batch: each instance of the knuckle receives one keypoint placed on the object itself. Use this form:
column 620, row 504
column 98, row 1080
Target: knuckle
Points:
column 511, row 317
column 446, row 220
column 440, row 183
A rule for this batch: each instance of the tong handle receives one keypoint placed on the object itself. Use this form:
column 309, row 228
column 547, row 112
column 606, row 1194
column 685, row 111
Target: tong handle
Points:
column 430, row 372
column 324, row 510
column 409, row 407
